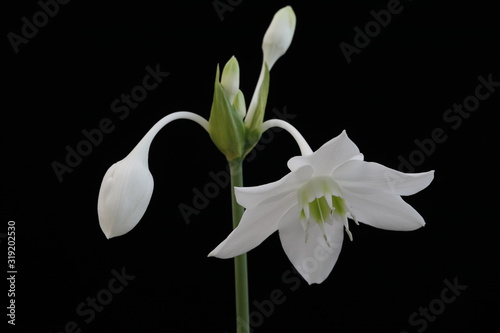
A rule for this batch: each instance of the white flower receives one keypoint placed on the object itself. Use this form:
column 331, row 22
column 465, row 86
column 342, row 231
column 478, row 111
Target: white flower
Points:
column 310, row 206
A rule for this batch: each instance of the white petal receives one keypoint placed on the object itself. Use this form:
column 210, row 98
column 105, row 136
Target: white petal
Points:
column 384, row 210
column 314, row 259
column 369, row 177
column 329, row 156
column 255, row 226
column 250, row 197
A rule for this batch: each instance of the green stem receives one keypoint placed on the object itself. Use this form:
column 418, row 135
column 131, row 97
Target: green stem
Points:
column 240, row 262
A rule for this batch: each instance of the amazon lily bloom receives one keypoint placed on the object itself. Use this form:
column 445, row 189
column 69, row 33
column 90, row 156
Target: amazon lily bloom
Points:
column 311, row 206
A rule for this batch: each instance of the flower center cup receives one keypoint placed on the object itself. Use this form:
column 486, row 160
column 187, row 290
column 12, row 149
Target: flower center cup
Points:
column 320, row 200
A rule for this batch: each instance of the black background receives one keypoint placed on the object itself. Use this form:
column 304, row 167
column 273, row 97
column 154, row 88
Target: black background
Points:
column 395, row 91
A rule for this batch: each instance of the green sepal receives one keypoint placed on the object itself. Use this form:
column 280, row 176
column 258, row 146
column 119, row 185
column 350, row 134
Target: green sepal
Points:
column 226, row 127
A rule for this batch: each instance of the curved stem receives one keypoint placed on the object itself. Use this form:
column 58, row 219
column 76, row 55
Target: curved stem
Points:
column 143, row 145
column 301, row 142
column 171, row 117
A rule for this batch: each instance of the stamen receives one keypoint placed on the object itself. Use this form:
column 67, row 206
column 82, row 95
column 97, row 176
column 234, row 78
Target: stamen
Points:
column 346, row 225
column 320, row 210
column 355, row 219
column 325, row 235
column 320, row 201
column 329, row 201
column 306, row 211
column 307, row 230
column 348, row 233
column 349, row 209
